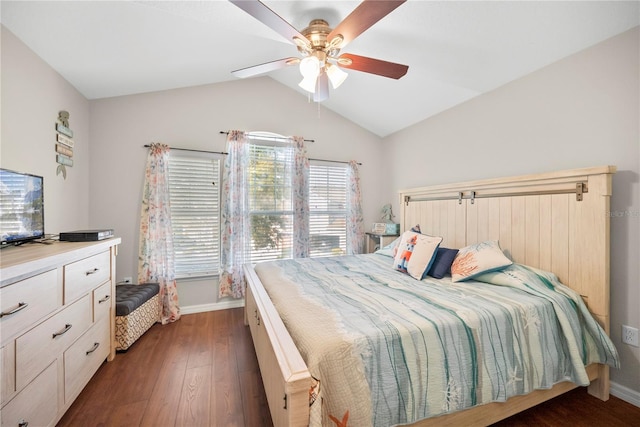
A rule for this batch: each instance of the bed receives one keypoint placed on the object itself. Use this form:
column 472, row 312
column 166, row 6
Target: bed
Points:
column 554, row 222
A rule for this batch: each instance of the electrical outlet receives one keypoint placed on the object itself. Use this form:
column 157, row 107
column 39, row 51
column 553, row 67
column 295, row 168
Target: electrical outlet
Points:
column 630, row 335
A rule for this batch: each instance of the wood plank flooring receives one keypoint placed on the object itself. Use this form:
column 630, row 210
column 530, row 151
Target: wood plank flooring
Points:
column 202, row 371
column 199, row 371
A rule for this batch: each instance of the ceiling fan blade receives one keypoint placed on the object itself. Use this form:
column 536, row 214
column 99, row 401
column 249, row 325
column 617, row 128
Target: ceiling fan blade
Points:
column 373, row 66
column 265, row 68
column 262, row 13
column 322, row 88
column 364, row 16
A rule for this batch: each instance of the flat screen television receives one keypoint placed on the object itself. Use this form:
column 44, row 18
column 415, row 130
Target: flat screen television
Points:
column 21, row 207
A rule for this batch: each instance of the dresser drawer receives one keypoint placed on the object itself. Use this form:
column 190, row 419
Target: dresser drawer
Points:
column 7, row 375
column 102, row 301
column 37, row 404
column 42, row 344
column 82, row 276
column 24, row 303
column 84, row 357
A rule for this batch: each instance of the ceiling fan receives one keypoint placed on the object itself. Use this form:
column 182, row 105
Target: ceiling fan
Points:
column 320, row 46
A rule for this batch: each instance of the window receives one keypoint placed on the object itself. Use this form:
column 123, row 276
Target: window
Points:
column 195, row 208
column 270, row 202
column 327, row 210
column 271, row 205
column 194, row 192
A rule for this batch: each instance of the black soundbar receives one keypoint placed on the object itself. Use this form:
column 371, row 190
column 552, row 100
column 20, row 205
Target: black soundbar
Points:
column 85, row 235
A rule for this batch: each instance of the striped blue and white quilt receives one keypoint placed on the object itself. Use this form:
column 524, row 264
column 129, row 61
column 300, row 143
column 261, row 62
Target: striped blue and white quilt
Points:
column 387, row 349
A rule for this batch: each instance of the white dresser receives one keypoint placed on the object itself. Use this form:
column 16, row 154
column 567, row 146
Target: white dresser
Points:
column 57, row 326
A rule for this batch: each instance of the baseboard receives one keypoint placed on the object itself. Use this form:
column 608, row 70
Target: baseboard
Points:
column 625, row 393
column 201, row 308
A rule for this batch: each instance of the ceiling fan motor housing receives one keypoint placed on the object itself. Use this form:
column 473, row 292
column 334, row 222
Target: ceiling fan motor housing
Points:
column 316, row 33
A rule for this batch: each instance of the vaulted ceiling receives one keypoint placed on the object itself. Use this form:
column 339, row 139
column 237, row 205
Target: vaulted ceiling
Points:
column 455, row 50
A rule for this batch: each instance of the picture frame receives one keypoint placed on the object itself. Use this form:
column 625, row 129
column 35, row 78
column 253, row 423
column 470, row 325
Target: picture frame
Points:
column 392, row 228
column 379, row 228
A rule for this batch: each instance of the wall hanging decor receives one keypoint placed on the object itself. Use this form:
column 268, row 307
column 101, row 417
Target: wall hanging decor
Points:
column 64, row 144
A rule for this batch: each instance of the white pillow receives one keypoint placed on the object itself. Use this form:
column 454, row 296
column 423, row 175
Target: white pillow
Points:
column 389, row 249
column 416, row 253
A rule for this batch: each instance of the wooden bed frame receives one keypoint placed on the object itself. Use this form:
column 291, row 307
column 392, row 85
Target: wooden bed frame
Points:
column 558, row 222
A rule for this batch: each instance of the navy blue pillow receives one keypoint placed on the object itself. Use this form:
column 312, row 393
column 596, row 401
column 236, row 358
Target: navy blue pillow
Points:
column 442, row 263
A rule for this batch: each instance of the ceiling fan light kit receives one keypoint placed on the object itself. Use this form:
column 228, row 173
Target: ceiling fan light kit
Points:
column 310, row 69
column 320, row 46
column 336, row 75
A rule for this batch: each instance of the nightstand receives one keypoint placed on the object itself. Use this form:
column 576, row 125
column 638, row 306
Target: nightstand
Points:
column 377, row 241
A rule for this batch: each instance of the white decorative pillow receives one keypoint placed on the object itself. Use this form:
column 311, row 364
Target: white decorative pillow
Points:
column 477, row 259
column 415, row 229
column 416, row 253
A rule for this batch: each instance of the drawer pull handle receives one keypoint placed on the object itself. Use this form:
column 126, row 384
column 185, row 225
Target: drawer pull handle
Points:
column 21, row 306
column 258, row 321
column 255, row 313
column 94, row 271
column 94, row 348
column 105, row 299
column 23, row 423
column 63, row 331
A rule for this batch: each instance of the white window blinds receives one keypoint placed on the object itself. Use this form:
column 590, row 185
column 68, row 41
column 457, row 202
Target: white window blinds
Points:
column 327, row 210
column 195, row 213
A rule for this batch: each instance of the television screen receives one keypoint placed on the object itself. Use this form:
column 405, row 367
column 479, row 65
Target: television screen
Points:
column 21, row 207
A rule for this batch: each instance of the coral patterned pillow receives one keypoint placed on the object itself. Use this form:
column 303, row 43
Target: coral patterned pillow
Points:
column 416, row 253
column 477, row 259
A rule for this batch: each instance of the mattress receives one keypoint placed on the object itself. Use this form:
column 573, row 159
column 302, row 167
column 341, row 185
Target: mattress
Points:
column 385, row 349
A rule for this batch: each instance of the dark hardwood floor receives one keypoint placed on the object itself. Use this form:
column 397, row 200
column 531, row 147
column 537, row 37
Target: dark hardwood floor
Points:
column 199, row 371
column 202, row 371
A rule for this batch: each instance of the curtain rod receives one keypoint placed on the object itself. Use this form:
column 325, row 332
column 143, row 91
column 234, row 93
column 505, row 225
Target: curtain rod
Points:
column 224, row 153
column 273, row 138
column 192, row 150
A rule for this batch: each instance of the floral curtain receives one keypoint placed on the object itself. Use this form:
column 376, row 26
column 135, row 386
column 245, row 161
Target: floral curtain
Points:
column 300, row 188
column 155, row 255
column 355, row 231
column 236, row 227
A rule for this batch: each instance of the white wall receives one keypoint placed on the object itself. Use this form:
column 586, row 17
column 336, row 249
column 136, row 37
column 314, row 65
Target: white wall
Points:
column 579, row 112
column 32, row 96
column 192, row 118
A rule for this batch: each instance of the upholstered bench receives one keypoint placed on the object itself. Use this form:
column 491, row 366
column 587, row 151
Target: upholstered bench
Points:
column 137, row 309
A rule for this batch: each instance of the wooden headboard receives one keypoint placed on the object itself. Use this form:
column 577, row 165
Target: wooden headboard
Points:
column 557, row 222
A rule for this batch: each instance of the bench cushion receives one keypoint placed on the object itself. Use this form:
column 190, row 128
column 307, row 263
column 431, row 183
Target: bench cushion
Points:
column 130, row 297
